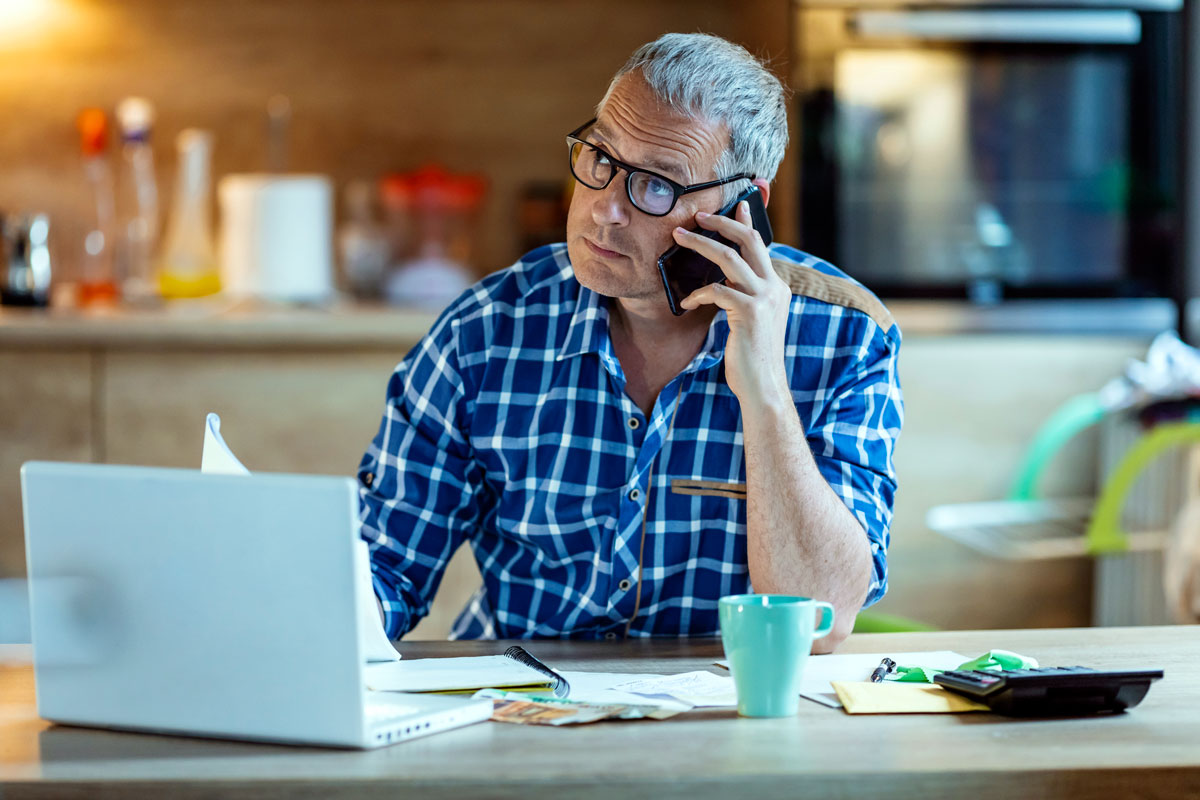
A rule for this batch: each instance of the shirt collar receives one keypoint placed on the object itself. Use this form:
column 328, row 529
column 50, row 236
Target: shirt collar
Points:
column 588, row 333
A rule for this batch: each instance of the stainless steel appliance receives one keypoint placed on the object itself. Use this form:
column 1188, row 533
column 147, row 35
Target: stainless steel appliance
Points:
column 994, row 150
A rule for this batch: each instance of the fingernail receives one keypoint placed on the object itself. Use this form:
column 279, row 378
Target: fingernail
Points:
column 702, row 214
column 680, row 230
column 746, row 206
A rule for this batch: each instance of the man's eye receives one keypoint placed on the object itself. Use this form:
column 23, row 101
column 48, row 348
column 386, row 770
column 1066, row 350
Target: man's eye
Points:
column 600, row 156
column 658, row 187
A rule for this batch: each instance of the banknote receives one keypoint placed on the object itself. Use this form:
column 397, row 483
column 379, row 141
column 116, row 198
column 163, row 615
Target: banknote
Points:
column 525, row 709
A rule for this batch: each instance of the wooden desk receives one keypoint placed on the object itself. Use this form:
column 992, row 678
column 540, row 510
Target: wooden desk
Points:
column 1153, row 751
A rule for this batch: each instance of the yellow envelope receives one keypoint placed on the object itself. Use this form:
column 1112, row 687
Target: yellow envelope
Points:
column 898, row 697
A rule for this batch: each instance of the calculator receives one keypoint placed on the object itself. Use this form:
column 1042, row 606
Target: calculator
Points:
column 1051, row 691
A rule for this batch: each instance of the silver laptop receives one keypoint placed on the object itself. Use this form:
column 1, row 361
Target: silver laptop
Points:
column 172, row 601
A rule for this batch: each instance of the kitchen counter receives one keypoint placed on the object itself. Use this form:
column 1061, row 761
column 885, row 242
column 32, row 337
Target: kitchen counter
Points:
column 216, row 324
column 1116, row 317
column 223, row 324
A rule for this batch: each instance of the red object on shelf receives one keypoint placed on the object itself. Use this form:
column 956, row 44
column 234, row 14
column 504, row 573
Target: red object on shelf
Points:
column 432, row 187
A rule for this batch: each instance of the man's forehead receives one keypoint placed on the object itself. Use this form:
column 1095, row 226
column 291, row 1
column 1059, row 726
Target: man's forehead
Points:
column 663, row 163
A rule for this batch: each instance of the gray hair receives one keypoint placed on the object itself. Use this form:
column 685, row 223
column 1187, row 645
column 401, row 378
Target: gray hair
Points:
column 702, row 76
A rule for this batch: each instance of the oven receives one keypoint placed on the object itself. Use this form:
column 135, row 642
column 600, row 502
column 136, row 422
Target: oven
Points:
column 993, row 150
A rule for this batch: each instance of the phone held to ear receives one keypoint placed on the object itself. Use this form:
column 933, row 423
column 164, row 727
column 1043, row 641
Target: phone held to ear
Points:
column 684, row 271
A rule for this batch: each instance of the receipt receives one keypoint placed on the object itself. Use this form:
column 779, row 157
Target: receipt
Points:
column 701, row 689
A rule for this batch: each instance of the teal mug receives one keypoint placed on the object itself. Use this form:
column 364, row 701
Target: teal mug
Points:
column 767, row 639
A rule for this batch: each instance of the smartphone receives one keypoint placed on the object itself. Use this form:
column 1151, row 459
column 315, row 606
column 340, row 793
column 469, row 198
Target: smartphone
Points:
column 684, row 271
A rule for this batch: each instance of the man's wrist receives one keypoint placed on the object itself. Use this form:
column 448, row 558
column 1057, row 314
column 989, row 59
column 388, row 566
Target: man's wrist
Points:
column 771, row 405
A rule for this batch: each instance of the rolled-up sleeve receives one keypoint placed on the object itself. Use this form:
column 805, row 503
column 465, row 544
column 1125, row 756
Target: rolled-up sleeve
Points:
column 418, row 481
column 854, row 440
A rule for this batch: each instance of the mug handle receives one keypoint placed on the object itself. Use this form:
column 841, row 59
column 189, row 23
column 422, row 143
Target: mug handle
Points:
column 826, row 625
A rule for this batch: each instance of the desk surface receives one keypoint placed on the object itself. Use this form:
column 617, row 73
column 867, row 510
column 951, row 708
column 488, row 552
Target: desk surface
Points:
column 1153, row 751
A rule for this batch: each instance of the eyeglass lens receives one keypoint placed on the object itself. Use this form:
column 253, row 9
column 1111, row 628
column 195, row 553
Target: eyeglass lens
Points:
column 649, row 193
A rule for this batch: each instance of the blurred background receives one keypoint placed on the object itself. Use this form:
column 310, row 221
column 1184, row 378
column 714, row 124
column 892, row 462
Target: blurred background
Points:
column 256, row 208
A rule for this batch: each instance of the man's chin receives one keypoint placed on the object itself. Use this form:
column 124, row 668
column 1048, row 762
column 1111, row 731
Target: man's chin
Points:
column 619, row 278
column 603, row 285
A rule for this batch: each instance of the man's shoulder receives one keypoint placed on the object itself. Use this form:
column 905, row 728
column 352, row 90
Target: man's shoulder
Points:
column 536, row 277
column 535, row 297
column 812, row 277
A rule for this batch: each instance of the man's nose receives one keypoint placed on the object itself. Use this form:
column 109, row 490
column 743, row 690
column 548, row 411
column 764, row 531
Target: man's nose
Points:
column 612, row 204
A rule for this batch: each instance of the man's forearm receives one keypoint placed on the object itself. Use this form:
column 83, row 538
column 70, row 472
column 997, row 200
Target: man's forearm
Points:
column 801, row 537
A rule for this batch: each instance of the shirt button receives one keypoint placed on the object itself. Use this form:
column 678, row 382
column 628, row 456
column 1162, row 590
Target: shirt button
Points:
column 624, row 585
column 635, row 494
column 610, row 636
column 633, row 423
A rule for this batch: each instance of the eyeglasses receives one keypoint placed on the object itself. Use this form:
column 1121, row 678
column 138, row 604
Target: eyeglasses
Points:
column 649, row 192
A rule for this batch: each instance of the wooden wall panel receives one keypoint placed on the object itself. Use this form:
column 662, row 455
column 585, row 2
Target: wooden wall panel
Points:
column 280, row 411
column 479, row 85
column 45, row 414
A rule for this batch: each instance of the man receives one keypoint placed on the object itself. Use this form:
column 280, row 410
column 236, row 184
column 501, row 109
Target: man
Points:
column 616, row 469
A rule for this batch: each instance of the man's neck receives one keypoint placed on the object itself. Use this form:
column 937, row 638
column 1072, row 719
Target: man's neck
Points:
column 651, row 321
column 653, row 345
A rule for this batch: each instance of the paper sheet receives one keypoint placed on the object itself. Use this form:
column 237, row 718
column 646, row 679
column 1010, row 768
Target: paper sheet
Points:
column 375, row 644
column 450, row 674
column 218, row 459
column 701, row 689
column 599, row 688
column 821, row 671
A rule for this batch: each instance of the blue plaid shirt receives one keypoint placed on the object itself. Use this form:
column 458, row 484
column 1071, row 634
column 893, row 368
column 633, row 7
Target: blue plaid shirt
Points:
column 508, row 427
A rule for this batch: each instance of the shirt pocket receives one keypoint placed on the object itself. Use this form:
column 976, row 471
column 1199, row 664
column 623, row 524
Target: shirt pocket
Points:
column 702, row 488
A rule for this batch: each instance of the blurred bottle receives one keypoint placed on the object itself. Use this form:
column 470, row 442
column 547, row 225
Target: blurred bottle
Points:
column 363, row 245
column 189, row 263
column 97, row 276
column 137, row 202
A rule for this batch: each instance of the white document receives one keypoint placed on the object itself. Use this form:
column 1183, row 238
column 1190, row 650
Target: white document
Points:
column 700, row 689
column 821, row 671
column 218, row 459
column 375, row 643
column 449, row 674
column 599, row 688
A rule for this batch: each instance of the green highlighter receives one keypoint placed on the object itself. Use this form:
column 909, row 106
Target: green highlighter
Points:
column 767, row 639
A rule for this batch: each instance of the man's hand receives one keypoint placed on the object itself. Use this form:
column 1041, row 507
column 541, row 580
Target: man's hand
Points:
column 756, row 303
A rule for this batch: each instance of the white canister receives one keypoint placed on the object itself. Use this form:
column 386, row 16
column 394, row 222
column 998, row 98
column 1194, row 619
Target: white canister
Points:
column 276, row 239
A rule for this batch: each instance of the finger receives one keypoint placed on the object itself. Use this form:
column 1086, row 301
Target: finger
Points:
column 741, row 231
column 735, row 268
column 715, row 294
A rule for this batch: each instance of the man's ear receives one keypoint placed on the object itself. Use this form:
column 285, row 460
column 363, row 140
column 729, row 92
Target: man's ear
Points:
column 763, row 187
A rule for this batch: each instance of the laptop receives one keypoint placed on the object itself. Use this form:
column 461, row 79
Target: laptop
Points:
column 171, row 601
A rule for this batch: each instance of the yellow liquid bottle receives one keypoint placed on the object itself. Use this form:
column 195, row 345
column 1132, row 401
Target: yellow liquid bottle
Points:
column 188, row 267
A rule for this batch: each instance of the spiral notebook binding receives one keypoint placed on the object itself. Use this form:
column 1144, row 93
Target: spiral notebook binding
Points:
column 520, row 654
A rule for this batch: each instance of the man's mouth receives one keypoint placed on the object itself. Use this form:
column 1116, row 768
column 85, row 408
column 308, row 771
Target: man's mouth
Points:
column 600, row 251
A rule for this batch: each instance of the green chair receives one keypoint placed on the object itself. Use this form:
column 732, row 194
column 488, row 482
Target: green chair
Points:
column 875, row 622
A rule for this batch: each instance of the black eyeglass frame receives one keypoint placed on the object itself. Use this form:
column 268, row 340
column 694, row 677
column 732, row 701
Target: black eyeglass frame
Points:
column 679, row 189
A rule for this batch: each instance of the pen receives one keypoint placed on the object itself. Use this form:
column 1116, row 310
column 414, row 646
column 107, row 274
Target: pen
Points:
column 885, row 666
column 518, row 653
